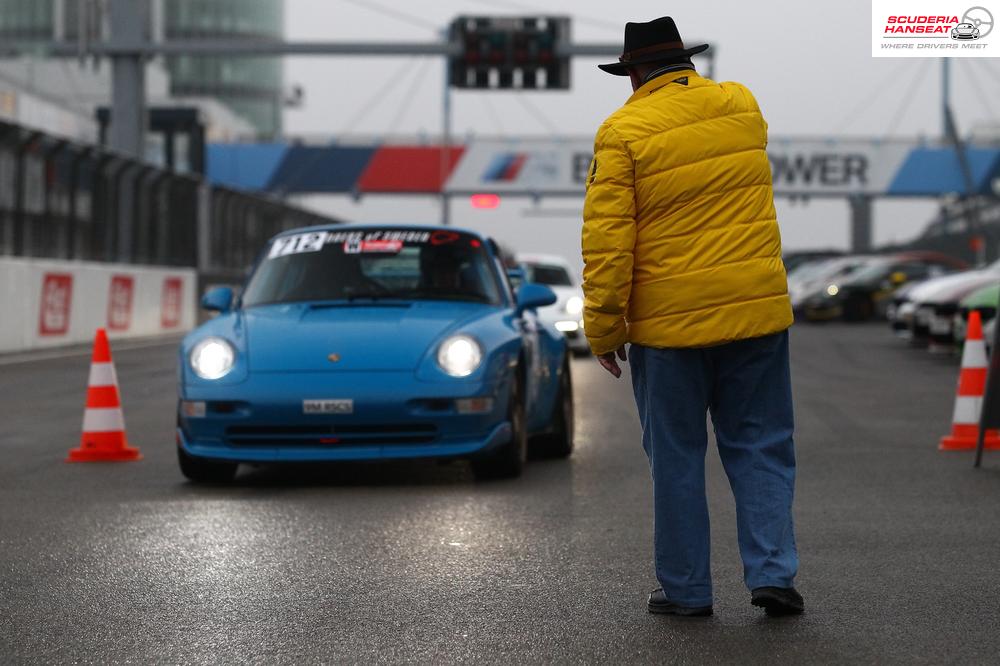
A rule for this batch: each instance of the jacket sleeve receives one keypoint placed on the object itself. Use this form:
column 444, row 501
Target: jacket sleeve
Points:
column 609, row 231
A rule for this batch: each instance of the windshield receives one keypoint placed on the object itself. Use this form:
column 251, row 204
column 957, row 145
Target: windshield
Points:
column 875, row 271
column 810, row 269
column 548, row 274
column 409, row 264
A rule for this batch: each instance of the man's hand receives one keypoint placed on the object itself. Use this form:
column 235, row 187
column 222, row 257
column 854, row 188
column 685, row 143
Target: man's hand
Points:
column 610, row 363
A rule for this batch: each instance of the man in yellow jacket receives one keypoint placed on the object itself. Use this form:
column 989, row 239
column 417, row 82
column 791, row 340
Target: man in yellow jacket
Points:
column 682, row 261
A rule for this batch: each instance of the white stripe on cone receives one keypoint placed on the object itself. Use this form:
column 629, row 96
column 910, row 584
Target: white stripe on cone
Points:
column 974, row 355
column 102, row 374
column 967, row 410
column 103, row 420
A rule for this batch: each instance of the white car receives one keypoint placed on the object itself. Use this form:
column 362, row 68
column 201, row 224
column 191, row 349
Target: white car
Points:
column 566, row 314
column 965, row 31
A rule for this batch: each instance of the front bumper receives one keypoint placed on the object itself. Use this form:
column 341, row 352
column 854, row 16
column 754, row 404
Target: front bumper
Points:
column 262, row 420
column 920, row 326
column 941, row 327
column 290, row 452
column 822, row 310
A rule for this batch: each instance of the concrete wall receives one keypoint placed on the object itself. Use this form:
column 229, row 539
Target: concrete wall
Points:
column 52, row 303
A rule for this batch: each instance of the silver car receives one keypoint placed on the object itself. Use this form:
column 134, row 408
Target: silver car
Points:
column 566, row 314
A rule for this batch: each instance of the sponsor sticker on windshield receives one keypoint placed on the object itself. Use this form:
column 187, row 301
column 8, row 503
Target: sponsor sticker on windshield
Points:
column 361, row 241
column 360, row 246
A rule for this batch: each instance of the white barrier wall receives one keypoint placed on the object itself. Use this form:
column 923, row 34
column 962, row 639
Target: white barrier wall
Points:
column 47, row 303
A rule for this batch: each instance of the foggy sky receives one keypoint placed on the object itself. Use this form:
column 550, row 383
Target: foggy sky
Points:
column 808, row 64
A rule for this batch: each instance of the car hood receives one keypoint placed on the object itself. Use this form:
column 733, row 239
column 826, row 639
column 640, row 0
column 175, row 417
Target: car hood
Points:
column 984, row 297
column 955, row 287
column 350, row 337
column 928, row 287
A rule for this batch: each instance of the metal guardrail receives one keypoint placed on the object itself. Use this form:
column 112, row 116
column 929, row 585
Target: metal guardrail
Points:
column 64, row 200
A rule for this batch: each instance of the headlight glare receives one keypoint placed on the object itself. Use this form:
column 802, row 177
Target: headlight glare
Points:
column 212, row 358
column 574, row 305
column 459, row 355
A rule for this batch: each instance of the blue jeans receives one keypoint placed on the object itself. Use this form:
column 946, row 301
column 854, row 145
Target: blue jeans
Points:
column 746, row 387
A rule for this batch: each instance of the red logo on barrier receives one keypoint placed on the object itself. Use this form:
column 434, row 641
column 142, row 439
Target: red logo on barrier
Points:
column 57, row 295
column 120, row 303
column 170, row 302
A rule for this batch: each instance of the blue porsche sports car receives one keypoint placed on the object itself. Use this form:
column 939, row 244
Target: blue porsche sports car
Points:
column 366, row 343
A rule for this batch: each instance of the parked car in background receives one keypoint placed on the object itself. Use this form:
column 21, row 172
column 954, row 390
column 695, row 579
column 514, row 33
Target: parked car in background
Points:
column 937, row 302
column 814, row 276
column 865, row 294
column 566, row 314
column 795, row 259
column 899, row 311
column 986, row 300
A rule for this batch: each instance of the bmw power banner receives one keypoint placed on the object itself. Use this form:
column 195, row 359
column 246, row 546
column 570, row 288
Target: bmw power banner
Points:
column 799, row 166
column 935, row 29
column 523, row 166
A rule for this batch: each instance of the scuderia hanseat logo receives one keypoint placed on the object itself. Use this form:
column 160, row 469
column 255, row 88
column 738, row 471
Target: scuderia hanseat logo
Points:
column 923, row 28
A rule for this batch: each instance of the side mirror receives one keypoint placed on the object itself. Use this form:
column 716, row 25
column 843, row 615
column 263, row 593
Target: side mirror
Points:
column 532, row 295
column 219, row 299
column 897, row 278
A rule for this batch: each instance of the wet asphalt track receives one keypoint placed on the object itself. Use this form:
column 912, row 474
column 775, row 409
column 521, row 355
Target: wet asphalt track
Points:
column 900, row 544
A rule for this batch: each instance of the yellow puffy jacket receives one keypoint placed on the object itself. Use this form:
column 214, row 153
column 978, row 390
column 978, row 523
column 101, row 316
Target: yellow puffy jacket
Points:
column 680, row 242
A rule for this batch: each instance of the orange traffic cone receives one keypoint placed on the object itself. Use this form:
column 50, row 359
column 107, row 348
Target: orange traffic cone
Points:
column 103, row 423
column 969, row 400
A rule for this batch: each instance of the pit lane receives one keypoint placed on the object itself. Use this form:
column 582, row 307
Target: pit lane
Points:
column 417, row 562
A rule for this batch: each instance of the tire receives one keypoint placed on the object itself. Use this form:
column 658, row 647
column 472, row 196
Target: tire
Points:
column 508, row 461
column 558, row 441
column 200, row 470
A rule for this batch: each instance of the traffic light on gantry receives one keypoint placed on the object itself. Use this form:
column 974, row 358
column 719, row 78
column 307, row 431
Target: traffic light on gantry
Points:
column 509, row 53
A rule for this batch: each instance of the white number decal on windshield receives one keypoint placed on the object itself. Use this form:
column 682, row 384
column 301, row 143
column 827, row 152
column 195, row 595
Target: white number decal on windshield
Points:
column 311, row 242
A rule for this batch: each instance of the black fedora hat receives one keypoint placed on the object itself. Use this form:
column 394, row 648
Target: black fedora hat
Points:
column 652, row 41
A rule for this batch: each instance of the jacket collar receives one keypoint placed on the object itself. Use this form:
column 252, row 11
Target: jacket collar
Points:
column 658, row 82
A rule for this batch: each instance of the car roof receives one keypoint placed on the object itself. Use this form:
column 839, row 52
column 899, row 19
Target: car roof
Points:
column 929, row 256
column 544, row 259
column 374, row 227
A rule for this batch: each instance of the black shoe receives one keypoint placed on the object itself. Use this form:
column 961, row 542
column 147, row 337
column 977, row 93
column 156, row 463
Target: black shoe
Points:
column 778, row 601
column 658, row 603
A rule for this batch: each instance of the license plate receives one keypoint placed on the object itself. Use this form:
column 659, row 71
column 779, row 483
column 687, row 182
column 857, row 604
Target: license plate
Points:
column 339, row 406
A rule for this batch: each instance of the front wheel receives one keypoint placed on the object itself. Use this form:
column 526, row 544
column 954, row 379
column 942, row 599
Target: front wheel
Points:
column 508, row 461
column 200, row 470
column 558, row 441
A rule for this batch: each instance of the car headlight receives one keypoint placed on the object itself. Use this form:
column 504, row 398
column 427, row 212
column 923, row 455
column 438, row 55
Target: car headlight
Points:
column 832, row 290
column 459, row 355
column 574, row 305
column 212, row 358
